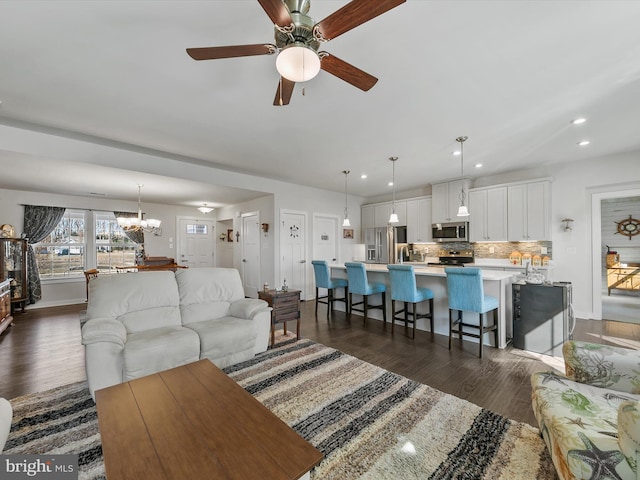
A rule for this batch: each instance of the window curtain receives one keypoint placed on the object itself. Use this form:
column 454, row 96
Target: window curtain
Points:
column 39, row 222
column 134, row 236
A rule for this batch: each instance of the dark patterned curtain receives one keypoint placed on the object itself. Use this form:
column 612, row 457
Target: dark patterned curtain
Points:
column 39, row 222
column 134, row 236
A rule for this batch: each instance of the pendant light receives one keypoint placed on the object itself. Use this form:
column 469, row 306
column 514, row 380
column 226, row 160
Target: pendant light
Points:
column 463, row 211
column 394, row 216
column 346, row 222
column 138, row 223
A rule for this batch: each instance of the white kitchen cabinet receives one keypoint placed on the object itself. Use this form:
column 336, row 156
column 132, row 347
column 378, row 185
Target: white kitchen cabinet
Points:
column 445, row 200
column 488, row 215
column 419, row 220
column 382, row 212
column 367, row 217
column 529, row 212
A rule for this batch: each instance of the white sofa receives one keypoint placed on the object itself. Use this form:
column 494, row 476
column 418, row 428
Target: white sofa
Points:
column 141, row 323
column 6, row 415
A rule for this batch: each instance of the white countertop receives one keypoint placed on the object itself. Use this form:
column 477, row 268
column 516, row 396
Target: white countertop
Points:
column 493, row 275
column 485, row 263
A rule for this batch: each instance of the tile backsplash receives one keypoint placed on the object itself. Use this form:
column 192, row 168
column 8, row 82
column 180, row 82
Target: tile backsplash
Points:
column 501, row 250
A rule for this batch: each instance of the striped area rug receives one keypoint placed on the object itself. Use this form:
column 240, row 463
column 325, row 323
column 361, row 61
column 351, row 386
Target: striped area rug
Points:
column 368, row 422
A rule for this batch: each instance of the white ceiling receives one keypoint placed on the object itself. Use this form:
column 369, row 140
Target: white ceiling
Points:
column 509, row 75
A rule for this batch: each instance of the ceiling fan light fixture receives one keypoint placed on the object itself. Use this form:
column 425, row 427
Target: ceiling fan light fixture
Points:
column 298, row 63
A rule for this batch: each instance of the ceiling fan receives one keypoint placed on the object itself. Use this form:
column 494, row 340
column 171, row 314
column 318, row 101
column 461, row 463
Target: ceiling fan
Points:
column 297, row 39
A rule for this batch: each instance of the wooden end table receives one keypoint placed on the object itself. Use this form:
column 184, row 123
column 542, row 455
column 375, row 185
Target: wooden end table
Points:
column 195, row 422
column 286, row 308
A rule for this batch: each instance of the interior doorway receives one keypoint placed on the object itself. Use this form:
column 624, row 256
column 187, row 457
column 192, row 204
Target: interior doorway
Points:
column 250, row 265
column 293, row 241
column 621, row 305
column 621, row 267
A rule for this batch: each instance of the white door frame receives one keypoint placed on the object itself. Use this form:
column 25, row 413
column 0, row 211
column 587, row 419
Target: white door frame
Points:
column 596, row 239
column 304, row 295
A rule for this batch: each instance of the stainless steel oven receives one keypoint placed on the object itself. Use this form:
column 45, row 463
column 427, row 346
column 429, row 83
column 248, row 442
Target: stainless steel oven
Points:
column 450, row 232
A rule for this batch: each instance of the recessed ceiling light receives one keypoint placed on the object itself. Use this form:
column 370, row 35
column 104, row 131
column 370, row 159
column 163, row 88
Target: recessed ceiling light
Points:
column 478, row 165
column 390, row 184
column 457, row 152
column 364, row 175
column 579, row 121
column 584, row 143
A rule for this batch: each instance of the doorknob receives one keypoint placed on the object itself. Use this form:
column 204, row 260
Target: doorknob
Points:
column 303, row 261
column 244, row 260
column 333, row 259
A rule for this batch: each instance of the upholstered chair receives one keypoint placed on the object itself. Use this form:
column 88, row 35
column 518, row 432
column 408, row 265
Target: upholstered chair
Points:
column 360, row 285
column 404, row 289
column 324, row 280
column 466, row 294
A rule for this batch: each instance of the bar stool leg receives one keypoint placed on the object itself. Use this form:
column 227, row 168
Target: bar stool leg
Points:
column 384, row 306
column 366, row 306
column 329, row 301
column 415, row 319
column 317, row 303
column 483, row 318
column 431, row 314
column 450, row 327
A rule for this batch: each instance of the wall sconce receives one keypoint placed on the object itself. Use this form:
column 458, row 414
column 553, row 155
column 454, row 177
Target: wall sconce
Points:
column 223, row 236
column 265, row 228
column 567, row 224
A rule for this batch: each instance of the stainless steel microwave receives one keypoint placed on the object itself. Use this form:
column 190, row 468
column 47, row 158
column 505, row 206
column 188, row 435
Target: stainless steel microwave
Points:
column 450, row 232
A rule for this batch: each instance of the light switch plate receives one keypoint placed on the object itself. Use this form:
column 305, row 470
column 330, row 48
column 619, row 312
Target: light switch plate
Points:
column 543, row 250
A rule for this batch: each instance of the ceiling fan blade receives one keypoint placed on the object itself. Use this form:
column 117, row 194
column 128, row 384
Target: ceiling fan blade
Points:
column 277, row 11
column 214, row 53
column 347, row 72
column 353, row 14
column 283, row 98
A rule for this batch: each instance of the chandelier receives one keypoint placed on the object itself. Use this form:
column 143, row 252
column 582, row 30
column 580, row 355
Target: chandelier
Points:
column 136, row 224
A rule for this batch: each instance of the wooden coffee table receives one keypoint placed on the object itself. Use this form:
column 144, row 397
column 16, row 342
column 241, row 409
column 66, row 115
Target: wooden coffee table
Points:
column 196, row 422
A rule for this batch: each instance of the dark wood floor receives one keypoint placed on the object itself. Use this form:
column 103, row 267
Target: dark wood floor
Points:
column 42, row 350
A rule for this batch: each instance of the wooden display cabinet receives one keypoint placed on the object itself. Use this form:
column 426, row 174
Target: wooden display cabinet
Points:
column 13, row 267
column 5, row 305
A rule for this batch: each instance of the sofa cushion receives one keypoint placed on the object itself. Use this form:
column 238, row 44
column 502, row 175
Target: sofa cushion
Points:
column 141, row 301
column 206, row 293
column 159, row 349
column 224, row 336
column 579, row 425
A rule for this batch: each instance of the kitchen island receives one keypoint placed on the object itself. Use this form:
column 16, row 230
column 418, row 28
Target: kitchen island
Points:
column 495, row 283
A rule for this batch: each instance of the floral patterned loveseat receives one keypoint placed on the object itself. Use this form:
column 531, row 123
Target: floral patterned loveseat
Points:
column 590, row 418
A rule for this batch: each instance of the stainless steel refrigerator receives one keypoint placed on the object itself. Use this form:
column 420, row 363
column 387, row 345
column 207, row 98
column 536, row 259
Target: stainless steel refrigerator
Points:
column 379, row 242
column 543, row 317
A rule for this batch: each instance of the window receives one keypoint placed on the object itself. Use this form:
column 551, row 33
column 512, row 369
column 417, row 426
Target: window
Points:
column 62, row 252
column 84, row 240
column 197, row 229
column 113, row 247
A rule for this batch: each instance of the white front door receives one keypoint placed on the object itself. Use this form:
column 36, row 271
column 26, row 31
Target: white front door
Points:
column 250, row 238
column 292, row 247
column 196, row 243
column 325, row 238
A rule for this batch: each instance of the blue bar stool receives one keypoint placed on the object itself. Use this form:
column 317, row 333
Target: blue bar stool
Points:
column 359, row 285
column 404, row 289
column 466, row 294
column 324, row 280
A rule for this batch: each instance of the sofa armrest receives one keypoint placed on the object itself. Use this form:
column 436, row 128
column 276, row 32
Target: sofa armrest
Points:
column 104, row 330
column 603, row 366
column 248, row 308
column 629, row 431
